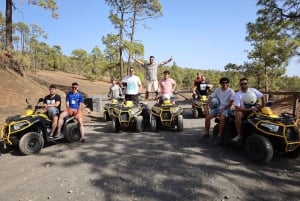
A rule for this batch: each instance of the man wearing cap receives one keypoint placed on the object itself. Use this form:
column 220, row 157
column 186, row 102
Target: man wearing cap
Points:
column 151, row 74
column 52, row 104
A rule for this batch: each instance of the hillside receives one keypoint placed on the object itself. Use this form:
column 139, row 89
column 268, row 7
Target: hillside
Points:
column 14, row 89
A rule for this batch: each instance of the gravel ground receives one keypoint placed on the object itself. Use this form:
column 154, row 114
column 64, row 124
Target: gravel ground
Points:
column 147, row 166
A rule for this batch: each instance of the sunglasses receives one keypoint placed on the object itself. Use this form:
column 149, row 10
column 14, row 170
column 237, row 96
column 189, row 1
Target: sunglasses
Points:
column 74, row 87
column 243, row 83
column 224, row 83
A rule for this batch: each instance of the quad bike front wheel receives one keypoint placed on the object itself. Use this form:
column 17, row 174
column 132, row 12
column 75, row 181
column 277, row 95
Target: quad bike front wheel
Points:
column 115, row 125
column 180, row 123
column 31, row 143
column 259, row 148
column 139, row 123
column 72, row 132
column 153, row 123
column 195, row 113
column 106, row 116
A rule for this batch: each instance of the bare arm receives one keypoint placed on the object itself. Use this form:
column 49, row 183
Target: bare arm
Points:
column 167, row 61
column 138, row 61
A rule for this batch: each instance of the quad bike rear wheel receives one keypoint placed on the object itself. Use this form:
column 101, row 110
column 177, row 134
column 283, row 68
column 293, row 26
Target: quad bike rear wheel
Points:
column 180, row 123
column 72, row 132
column 259, row 148
column 31, row 143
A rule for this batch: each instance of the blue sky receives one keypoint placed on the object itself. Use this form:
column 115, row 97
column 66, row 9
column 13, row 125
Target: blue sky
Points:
column 198, row 34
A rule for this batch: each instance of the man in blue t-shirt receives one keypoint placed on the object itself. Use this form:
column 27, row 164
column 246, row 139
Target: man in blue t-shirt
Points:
column 74, row 107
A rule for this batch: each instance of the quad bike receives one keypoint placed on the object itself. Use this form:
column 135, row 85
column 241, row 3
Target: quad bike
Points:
column 108, row 108
column 198, row 106
column 129, row 115
column 263, row 134
column 30, row 131
column 166, row 114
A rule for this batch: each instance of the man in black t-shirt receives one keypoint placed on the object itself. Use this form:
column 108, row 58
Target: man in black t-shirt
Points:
column 52, row 104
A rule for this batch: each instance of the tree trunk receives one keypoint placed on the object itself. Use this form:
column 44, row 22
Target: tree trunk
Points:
column 8, row 16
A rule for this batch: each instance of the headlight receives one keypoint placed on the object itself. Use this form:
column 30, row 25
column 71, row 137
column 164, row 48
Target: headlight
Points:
column 134, row 111
column 174, row 110
column 18, row 126
column 270, row 127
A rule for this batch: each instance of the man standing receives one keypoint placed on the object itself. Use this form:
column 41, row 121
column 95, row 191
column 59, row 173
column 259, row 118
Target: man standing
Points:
column 151, row 74
column 240, row 109
column 133, row 86
column 52, row 104
column 74, row 107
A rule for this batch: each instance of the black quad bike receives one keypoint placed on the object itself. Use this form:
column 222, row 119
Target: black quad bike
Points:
column 166, row 115
column 30, row 132
column 107, row 114
column 198, row 106
column 263, row 134
column 129, row 116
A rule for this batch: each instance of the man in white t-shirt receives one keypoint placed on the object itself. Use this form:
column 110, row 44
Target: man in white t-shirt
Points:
column 133, row 86
column 225, row 95
column 151, row 74
column 240, row 109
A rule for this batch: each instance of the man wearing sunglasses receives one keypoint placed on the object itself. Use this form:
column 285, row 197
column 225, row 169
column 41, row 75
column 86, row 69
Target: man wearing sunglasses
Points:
column 133, row 86
column 225, row 95
column 74, row 107
column 240, row 110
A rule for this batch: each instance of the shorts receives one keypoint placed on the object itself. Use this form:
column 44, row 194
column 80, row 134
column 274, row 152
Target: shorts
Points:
column 133, row 98
column 151, row 83
column 214, row 112
column 53, row 111
column 75, row 112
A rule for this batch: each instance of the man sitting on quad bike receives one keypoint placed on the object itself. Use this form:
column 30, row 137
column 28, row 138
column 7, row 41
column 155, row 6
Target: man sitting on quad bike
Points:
column 167, row 86
column 74, row 107
column 220, row 102
column 201, row 87
column 52, row 104
column 241, row 110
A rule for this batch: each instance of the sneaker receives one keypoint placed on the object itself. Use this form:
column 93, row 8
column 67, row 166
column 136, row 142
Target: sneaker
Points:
column 237, row 138
column 83, row 140
column 50, row 137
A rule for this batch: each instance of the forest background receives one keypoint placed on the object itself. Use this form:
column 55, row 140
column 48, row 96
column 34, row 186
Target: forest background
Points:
column 274, row 38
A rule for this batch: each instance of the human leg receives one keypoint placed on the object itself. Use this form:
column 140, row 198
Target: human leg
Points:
column 61, row 121
column 53, row 113
column 148, row 89
column 208, row 118
column 54, row 125
column 238, row 125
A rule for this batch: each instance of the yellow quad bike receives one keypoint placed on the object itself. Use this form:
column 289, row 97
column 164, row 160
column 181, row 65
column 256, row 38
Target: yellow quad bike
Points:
column 198, row 107
column 166, row 115
column 107, row 114
column 265, row 133
column 128, row 116
column 30, row 131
